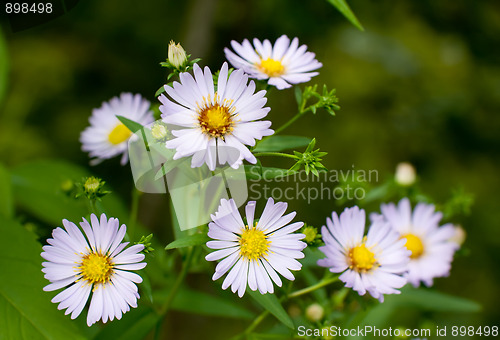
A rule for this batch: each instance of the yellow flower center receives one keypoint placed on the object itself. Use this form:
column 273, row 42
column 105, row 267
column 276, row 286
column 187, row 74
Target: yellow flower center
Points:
column 361, row 258
column 96, row 268
column 216, row 120
column 414, row 244
column 253, row 244
column 119, row 134
column 271, row 67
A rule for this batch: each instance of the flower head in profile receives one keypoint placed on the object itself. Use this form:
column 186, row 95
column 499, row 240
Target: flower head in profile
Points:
column 255, row 251
column 284, row 64
column 107, row 137
column 373, row 263
column 431, row 246
column 215, row 122
column 94, row 261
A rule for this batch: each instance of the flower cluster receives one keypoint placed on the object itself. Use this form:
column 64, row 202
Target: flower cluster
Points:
column 399, row 247
column 214, row 119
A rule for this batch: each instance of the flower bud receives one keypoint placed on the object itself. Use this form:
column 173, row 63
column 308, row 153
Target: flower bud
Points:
column 405, row 174
column 310, row 233
column 315, row 312
column 176, row 55
column 159, row 131
column 91, row 185
column 92, row 188
column 459, row 236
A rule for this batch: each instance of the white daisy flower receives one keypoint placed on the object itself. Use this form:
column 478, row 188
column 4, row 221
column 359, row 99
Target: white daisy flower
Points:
column 97, row 263
column 373, row 263
column 106, row 136
column 216, row 121
column 431, row 246
column 255, row 251
column 284, row 64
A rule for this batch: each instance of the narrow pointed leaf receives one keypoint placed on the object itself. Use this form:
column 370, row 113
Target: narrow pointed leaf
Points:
column 188, row 241
column 344, row 8
column 271, row 303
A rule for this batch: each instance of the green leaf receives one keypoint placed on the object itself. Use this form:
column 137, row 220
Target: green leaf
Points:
column 135, row 324
column 25, row 309
column 130, row 124
column 255, row 172
column 380, row 315
column 344, row 8
column 433, row 300
column 4, row 67
column 37, row 188
column 268, row 336
column 6, row 201
column 280, row 143
column 196, row 302
column 271, row 303
column 160, row 91
column 188, row 241
column 298, row 95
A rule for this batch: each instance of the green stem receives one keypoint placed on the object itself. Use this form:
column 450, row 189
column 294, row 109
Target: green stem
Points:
column 256, row 322
column 93, row 207
column 277, row 154
column 178, row 282
column 299, row 114
column 133, row 213
column 290, row 122
column 312, row 288
column 295, row 294
column 173, row 291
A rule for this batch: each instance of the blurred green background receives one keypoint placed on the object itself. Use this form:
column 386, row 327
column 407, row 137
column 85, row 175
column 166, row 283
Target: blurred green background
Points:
column 421, row 84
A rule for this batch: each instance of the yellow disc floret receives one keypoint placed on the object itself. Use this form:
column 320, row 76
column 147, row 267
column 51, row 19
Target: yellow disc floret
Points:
column 119, row 134
column 216, row 120
column 253, row 244
column 414, row 244
column 96, row 268
column 361, row 259
column 271, row 67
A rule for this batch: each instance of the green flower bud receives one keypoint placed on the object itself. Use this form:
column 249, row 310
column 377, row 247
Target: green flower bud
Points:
column 92, row 188
column 159, row 132
column 310, row 233
column 176, row 55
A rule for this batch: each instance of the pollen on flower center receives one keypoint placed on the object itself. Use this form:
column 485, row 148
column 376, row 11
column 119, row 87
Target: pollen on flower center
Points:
column 414, row 244
column 271, row 67
column 216, row 120
column 96, row 268
column 253, row 244
column 119, row 134
column 361, row 258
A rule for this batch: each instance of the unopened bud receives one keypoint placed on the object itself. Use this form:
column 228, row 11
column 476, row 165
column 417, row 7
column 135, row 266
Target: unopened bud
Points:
column 176, row 55
column 310, row 233
column 315, row 312
column 92, row 184
column 92, row 188
column 159, row 131
column 405, row 174
column 459, row 236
